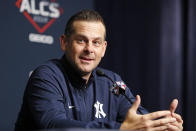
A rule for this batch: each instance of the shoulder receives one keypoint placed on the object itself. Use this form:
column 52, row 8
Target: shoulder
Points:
column 51, row 67
column 109, row 73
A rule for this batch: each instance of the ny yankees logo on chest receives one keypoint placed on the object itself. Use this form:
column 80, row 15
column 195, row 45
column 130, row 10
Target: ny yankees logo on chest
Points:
column 99, row 110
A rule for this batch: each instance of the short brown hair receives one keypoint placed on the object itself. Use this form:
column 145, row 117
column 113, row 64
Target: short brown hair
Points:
column 84, row 15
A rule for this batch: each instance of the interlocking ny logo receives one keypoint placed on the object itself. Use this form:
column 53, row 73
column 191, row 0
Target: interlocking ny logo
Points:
column 40, row 11
column 99, row 110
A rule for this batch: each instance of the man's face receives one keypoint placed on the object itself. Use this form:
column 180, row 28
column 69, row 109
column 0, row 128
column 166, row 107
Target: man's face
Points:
column 86, row 46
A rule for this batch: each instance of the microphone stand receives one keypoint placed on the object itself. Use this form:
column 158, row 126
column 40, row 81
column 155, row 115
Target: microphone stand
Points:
column 116, row 90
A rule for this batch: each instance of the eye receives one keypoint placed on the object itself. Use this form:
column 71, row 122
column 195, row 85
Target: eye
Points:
column 97, row 43
column 80, row 41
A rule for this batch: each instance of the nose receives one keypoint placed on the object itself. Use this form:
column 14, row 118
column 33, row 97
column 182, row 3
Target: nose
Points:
column 89, row 47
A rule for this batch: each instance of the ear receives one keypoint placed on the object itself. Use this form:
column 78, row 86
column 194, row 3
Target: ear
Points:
column 104, row 48
column 63, row 42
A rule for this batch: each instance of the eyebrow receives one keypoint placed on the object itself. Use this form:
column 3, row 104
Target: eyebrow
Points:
column 82, row 36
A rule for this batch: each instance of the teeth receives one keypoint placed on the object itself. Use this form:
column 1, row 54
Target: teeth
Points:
column 86, row 58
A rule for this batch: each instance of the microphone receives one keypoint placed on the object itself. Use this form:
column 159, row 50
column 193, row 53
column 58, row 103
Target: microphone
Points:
column 101, row 73
column 117, row 87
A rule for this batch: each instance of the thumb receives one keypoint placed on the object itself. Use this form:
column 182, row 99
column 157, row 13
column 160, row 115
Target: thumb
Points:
column 136, row 103
column 173, row 105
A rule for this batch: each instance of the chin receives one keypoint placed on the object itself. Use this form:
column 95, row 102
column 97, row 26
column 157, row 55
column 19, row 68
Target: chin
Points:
column 86, row 70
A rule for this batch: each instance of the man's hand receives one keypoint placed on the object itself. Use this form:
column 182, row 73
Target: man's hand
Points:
column 176, row 126
column 156, row 121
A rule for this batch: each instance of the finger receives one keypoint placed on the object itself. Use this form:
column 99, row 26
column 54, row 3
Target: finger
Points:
column 173, row 105
column 178, row 125
column 156, row 115
column 136, row 104
column 163, row 121
column 173, row 127
column 178, row 117
column 159, row 128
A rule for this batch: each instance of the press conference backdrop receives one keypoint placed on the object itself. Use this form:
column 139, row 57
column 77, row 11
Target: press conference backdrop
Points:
column 151, row 44
column 29, row 31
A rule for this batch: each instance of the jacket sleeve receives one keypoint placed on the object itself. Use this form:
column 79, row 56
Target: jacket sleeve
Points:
column 47, row 107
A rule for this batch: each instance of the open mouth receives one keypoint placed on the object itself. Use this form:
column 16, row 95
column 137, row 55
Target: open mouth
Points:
column 85, row 59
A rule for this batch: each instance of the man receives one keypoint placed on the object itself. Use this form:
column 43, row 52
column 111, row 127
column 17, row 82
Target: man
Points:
column 68, row 93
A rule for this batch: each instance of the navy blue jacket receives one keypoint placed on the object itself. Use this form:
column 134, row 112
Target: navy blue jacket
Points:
column 57, row 97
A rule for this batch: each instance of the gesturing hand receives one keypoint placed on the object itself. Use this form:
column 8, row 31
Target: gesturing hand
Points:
column 155, row 121
column 176, row 126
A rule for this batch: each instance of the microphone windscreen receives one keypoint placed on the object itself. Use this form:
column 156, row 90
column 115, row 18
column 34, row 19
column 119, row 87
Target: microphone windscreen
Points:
column 100, row 72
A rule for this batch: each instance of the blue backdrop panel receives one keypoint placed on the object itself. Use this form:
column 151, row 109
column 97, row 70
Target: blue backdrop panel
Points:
column 153, row 48
column 30, row 31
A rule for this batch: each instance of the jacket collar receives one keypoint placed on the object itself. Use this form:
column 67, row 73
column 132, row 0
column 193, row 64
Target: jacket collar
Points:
column 74, row 77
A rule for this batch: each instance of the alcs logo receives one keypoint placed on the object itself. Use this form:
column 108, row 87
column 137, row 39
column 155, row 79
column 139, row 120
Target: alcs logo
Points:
column 41, row 14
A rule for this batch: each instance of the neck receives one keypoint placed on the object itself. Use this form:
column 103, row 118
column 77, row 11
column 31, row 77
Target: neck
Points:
column 86, row 76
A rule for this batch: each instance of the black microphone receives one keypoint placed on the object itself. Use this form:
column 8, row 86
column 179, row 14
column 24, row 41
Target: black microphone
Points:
column 116, row 88
column 101, row 73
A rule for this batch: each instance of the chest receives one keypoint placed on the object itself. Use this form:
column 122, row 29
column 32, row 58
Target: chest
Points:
column 93, row 102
